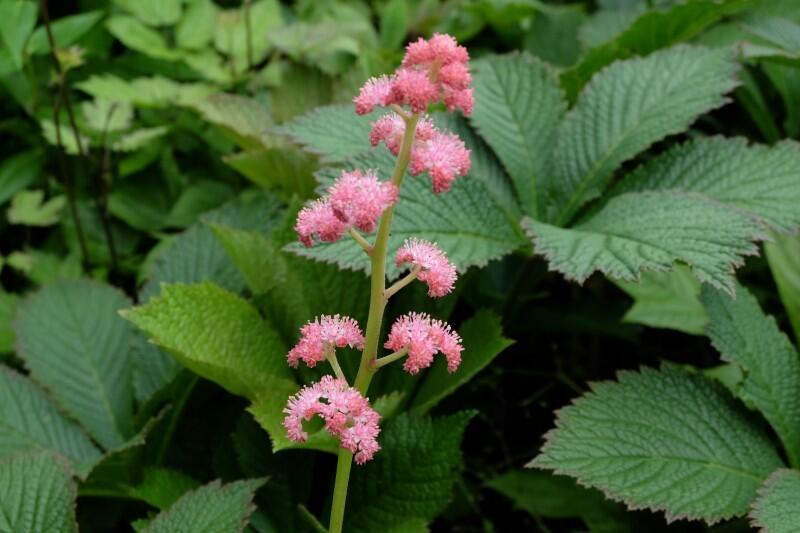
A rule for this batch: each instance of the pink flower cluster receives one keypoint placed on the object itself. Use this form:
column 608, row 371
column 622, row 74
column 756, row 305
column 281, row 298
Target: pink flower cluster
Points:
column 442, row 155
column 355, row 199
column 424, row 337
column 325, row 333
column 347, row 415
column 432, row 71
column 435, row 269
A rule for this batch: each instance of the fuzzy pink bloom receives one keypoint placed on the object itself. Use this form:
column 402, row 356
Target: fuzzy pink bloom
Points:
column 374, row 93
column 413, row 88
column 423, row 337
column 347, row 415
column 391, row 128
column 358, row 198
column 444, row 157
column 441, row 48
column 325, row 333
column 436, row 270
column 318, row 219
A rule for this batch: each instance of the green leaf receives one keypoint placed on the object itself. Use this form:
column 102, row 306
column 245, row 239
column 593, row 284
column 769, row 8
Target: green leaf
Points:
column 652, row 98
column 781, row 32
column 465, row 222
column 411, row 478
column 66, row 32
column 666, row 300
column 231, row 35
column 161, row 487
column 243, row 119
column 196, row 28
column 286, row 169
column 483, row 340
column 783, row 256
column 651, row 231
column 553, row 35
column 216, row 334
column 154, row 91
column 36, row 494
column 28, row 208
column 138, row 139
column 213, row 508
column 106, row 116
column 256, row 257
column 19, row 171
column 30, row 421
column 518, row 107
column 8, row 310
column 152, row 368
column 662, row 440
column 153, row 12
column 776, row 510
column 140, row 38
column 744, row 335
column 75, row 344
column 17, row 20
column 759, row 179
column 394, row 23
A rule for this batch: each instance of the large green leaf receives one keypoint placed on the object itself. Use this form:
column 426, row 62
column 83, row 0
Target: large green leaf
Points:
column 465, row 222
column 66, row 31
column 411, row 478
column 626, row 108
column 216, row 334
column 136, row 36
column 153, row 12
column 154, row 91
column 783, row 256
column 483, row 340
column 518, row 108
column 30, row 421
column 76, row 345
column 19, row 171
column 8, row 310
column 776, row 510
column 161, row 487
column 213, row 508
column 37, row 494
column 755, row 178
column 662, row 440
column 17, row 20
column 244, row 119
column 744, row 335
column 257, row 258
column 651, row 231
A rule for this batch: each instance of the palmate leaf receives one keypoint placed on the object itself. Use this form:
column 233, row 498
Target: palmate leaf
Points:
column 36, row 494
column 518, row 108
column 758, row 179
column 627, row 107
column 75, row 344
column 650, row 231
column 744, row 335
column 216, row 334
column 662, row 440
column 776, row 509
column 213, row 508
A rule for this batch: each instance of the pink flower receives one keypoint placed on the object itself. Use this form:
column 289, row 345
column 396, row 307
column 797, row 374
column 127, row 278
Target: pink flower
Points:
column 441, row 48
column 436, row 270
column 347, row 415
column 423, row 337
column 325, row 333
column 374, row 93
column 391, row 128
column 318, row 219
column 413, row 88
column 359, row 199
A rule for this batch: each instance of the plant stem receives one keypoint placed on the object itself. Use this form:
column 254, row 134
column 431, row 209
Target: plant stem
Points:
column 391, row 358
column 411, row 276
column 330, row 355
column 377, row 304
column 364, row 243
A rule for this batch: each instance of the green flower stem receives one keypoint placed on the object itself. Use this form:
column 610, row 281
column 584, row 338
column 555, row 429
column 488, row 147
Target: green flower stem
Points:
column 391, row 358
column 364, row 243
column 377, row 305
column 411, row 276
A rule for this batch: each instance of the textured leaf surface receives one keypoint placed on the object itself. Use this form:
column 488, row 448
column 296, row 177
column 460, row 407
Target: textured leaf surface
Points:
column 30, row 421
column 216, row 334
column 161, row 487
column 257, row 258
column 518, row 108
column 783, row 256
column 777, row 509
column 662, row 440
column 411, row 478
column 744, row 335
column 650, row 231
column 464, row 222
column 626, row 108
column 154, row 91
column 213, row 508
column 755, row 178
column 483, row 341
column 666, row 300
column 36, row 494
column 244, row 119
column 77, row 346
column 152, row 368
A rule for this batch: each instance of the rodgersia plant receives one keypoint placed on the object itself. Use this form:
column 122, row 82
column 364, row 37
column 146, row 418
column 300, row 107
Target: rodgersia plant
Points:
column 433, row 71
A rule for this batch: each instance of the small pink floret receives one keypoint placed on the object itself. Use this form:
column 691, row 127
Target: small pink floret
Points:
column 318, row 220
column 324, row 333
column 436, row 270
column 347, row 415
column 374, row 93
column 359, row 199
column 444, row 157
column 424, row 337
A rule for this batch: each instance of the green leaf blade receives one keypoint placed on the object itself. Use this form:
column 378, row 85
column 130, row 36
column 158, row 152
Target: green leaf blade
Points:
column 776, row 509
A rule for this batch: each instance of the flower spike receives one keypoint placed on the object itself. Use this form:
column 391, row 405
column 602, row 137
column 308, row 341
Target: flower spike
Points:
column 423, row 337
column 318, row 219
column 347, row 415
column 435, row 269
column 325, row 333
column 359, row 199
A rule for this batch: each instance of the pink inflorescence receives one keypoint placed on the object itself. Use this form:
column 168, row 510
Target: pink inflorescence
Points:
column 423, row 337
column 442, row 155
column 325, row 333
column 435, row 269
column 433, row 71
column 355, row 199
column 347, row 415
